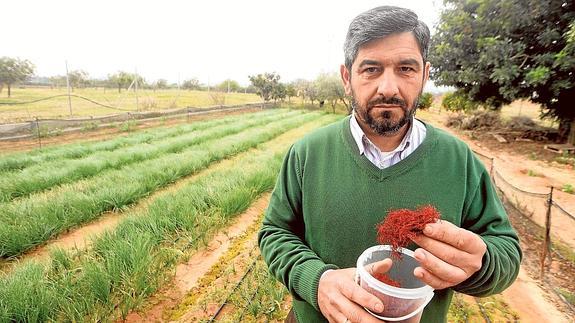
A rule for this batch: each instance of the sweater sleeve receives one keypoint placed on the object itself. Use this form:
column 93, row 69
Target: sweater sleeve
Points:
column 486, row 216
column 281, row 238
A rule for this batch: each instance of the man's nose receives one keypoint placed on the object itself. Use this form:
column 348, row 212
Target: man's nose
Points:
column 387, row 85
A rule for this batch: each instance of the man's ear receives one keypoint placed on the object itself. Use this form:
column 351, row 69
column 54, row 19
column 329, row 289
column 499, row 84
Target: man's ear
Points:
column 425, row 73
column 346, row 79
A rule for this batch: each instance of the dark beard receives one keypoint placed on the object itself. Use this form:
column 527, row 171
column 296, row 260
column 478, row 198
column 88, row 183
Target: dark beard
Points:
column 387, row 126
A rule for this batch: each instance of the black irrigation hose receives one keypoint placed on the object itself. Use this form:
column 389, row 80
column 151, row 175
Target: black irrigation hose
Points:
column 233, row 290
column 61, row 95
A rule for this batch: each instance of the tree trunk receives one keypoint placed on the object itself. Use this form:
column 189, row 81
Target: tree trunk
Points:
column 571, row 137
column 119, row 88
column 9, row 88
column 565, row 129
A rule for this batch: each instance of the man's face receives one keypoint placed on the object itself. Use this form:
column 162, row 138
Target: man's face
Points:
column 385, row 81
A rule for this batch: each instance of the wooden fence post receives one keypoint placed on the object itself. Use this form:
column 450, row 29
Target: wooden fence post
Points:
column 547, row 242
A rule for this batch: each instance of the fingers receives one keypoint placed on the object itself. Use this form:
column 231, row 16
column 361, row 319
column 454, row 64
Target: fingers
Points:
column 379, row 267
column 360, row 296
column 450, row 234
column 340, row 298
column 430, row 279
column 436, row 272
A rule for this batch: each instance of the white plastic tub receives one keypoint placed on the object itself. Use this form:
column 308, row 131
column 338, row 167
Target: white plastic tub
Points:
column 400, row 303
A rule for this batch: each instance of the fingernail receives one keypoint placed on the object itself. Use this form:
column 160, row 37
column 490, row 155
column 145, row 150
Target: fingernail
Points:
column 417, row 273
column 419, row 255
column 427, row 230
column 378, row 307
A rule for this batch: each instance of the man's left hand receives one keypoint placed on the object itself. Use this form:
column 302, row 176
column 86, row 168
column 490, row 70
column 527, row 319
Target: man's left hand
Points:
column 448, row 254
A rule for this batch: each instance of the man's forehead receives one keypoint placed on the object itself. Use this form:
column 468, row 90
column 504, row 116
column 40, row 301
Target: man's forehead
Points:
column 392, row 48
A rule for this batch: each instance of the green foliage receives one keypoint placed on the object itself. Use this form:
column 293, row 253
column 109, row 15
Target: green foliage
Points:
column 497, row 51
column 43, row 216
column 229, row 86
column 265, row 84
column 191, row 84
column 458, row 101
column 330, row 88
column 14, row 70
column 78, row 78
column 568, row 188
column 425, row 101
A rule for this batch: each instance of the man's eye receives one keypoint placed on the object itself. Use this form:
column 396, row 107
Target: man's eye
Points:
column 371, row 70
column 406, row 69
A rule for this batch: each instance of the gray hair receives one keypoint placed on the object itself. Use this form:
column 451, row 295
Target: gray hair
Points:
column 380, row 22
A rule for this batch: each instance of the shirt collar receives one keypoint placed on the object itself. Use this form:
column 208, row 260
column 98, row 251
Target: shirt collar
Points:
column 362, row 141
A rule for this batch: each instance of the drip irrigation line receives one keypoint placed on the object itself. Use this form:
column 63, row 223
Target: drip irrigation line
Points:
column 482, row 310
column 249, row 303
column 61, row 95
column 212, row 319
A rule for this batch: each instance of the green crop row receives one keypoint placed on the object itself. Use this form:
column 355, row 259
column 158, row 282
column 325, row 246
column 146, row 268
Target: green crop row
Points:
column 125, row 266
column 21, row 160
column 30, row 221
column 52, row 173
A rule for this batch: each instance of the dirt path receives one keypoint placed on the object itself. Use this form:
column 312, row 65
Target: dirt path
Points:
column 531, row 302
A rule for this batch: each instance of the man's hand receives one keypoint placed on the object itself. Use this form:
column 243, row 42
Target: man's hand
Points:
column 341, row 299
column 448, row 254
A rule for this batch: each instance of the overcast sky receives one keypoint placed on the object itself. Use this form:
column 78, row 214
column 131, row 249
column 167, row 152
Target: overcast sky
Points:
column 176, row 40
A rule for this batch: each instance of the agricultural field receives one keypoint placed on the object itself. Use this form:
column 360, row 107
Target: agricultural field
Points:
column 143, row 100
column 160, row 224
column 120, row 267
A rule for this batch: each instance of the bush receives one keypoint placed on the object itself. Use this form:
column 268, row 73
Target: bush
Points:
column 458, row 101
column 480, row 119
column 425, row 101
column 520, row 123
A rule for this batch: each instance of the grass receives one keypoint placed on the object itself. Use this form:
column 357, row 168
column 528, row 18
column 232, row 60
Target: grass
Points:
column 21, row 160
column 126, row 265
column 58, row 107
column 49, row 174
column 28, row 222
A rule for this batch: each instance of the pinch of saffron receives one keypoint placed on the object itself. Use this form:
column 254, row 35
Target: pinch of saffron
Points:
column 386, row 280
column 402, row 225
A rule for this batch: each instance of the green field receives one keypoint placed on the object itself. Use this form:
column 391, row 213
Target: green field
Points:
column 129, row 262
column 126, row 100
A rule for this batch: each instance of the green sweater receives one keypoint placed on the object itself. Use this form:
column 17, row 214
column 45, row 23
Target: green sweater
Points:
column 328, row 199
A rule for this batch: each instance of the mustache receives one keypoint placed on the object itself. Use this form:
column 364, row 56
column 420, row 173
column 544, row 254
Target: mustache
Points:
column 383, row 100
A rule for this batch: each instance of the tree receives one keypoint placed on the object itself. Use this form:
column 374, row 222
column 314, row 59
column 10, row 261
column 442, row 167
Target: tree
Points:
column 265, row 84
column 14, row 70
column 330, row 88
column 121, row 80
column 191, row 84
column 78, row 78
column 161, row 84
column 229, row 86
column 497, row 51
column 290, row 91
column 279, row 92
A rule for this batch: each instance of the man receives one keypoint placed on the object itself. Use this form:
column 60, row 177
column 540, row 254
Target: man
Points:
column 337, row 183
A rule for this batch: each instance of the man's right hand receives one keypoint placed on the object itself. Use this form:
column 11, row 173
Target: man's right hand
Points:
column 341, row 299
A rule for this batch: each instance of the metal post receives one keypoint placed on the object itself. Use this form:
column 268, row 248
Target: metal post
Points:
column 546, row 251
column 38, row 131
column 68, row 85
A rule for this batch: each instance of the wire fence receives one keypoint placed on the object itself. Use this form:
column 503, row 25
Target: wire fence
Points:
column 39, row 130
column 538, row 206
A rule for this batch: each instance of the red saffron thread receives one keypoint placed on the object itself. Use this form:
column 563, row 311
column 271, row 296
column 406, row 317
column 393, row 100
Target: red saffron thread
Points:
column 402, row 225
column 386, row 280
